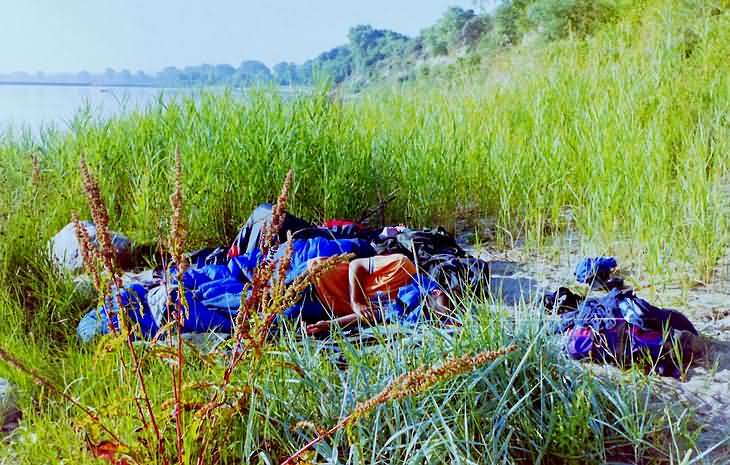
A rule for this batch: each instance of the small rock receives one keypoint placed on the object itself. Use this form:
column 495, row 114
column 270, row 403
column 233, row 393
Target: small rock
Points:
column 66, row 252
column 9, row 413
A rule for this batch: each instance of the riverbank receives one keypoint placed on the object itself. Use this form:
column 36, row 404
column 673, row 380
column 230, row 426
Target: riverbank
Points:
column 704, row 391
column 621, row 139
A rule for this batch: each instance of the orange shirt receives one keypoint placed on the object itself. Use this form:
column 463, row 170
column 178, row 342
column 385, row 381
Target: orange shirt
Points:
column 387, row 274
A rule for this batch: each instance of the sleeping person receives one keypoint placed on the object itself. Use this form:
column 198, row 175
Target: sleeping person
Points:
column 358, row 291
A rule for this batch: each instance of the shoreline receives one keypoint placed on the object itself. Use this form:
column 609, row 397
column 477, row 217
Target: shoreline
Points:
column 70, row 84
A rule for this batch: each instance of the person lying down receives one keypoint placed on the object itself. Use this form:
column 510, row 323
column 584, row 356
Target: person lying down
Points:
column 386, row 288
column 366, row 290
column 358, row 292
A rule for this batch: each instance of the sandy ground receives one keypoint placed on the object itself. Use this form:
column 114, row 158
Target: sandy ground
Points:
column 706, row 391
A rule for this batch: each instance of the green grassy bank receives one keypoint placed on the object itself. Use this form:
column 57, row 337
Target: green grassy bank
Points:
column 623, row 133
column 532, row 406
column 622, row 136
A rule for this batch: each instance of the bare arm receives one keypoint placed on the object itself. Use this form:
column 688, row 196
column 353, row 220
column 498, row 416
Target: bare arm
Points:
column 358, row 275
column 326, row 325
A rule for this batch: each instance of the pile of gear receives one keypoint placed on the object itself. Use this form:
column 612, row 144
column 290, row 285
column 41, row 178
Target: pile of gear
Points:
column 399, row 270
column 618, row 327
column 216, row 277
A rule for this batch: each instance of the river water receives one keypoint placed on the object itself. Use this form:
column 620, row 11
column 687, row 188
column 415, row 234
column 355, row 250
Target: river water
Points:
column 33, row 107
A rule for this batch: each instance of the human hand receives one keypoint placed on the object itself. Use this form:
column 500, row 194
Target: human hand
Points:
column 318, row 327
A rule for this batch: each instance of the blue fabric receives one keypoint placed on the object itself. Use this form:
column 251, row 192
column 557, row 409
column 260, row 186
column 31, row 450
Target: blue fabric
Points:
column 196, row 277
column 223, row 298
column 208, row 256
column 198, row 258
column 599, row 312
column 213, row 298
column 213, row 292
column 202, row 319
column 602, row 313
column 134, row 299
column 408, row 306
column 92, row 324
column 589, row 269
column 348, row 231
column 243, row 266
column 213, row 286
column 580, row 343
column 644, row 315
column 306, row 250
column 600, row 324
column 221, row 294
column 202, row 316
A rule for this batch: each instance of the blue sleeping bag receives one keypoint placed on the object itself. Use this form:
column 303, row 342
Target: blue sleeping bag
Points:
column 212, row 292
column 303, row 250
column 211, row 296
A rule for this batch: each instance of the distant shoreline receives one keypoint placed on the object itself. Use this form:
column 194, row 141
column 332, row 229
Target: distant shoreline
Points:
column 70, row 84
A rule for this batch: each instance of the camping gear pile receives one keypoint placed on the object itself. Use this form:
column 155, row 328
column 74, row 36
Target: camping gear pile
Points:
column 216, row 278
column 618, row 327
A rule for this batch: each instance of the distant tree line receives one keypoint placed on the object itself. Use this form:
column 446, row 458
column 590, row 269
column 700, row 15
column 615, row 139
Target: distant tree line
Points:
column 247, row 73
column 373, row 54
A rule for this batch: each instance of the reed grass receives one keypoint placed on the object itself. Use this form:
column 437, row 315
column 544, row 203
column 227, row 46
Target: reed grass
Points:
column 622, row 137
column 531, row 406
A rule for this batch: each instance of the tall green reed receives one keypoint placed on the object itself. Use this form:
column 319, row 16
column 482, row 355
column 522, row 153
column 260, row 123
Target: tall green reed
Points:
column 623, row 135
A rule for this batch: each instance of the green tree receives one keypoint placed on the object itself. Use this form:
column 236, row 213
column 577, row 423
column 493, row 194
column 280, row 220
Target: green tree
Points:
column 223, row 73
column 335, row 64
column 447, row 32
column 370, row 46
column 558, row 18
column 169, row 76
column 474, row 29
column 285, row 73
column 510, row 21
column 252, row 72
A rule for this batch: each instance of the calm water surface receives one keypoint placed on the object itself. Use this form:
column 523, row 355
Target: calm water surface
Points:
column 29, row 107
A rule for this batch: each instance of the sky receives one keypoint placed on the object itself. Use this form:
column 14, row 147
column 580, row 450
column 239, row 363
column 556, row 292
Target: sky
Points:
column 75, row 35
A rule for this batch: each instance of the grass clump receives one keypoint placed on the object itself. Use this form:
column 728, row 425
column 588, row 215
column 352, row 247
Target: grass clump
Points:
column 531, row 406
column 248, row 399
column 621, row 135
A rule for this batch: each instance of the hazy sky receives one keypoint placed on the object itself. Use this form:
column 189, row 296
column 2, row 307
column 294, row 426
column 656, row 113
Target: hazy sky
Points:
column 71, row 35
